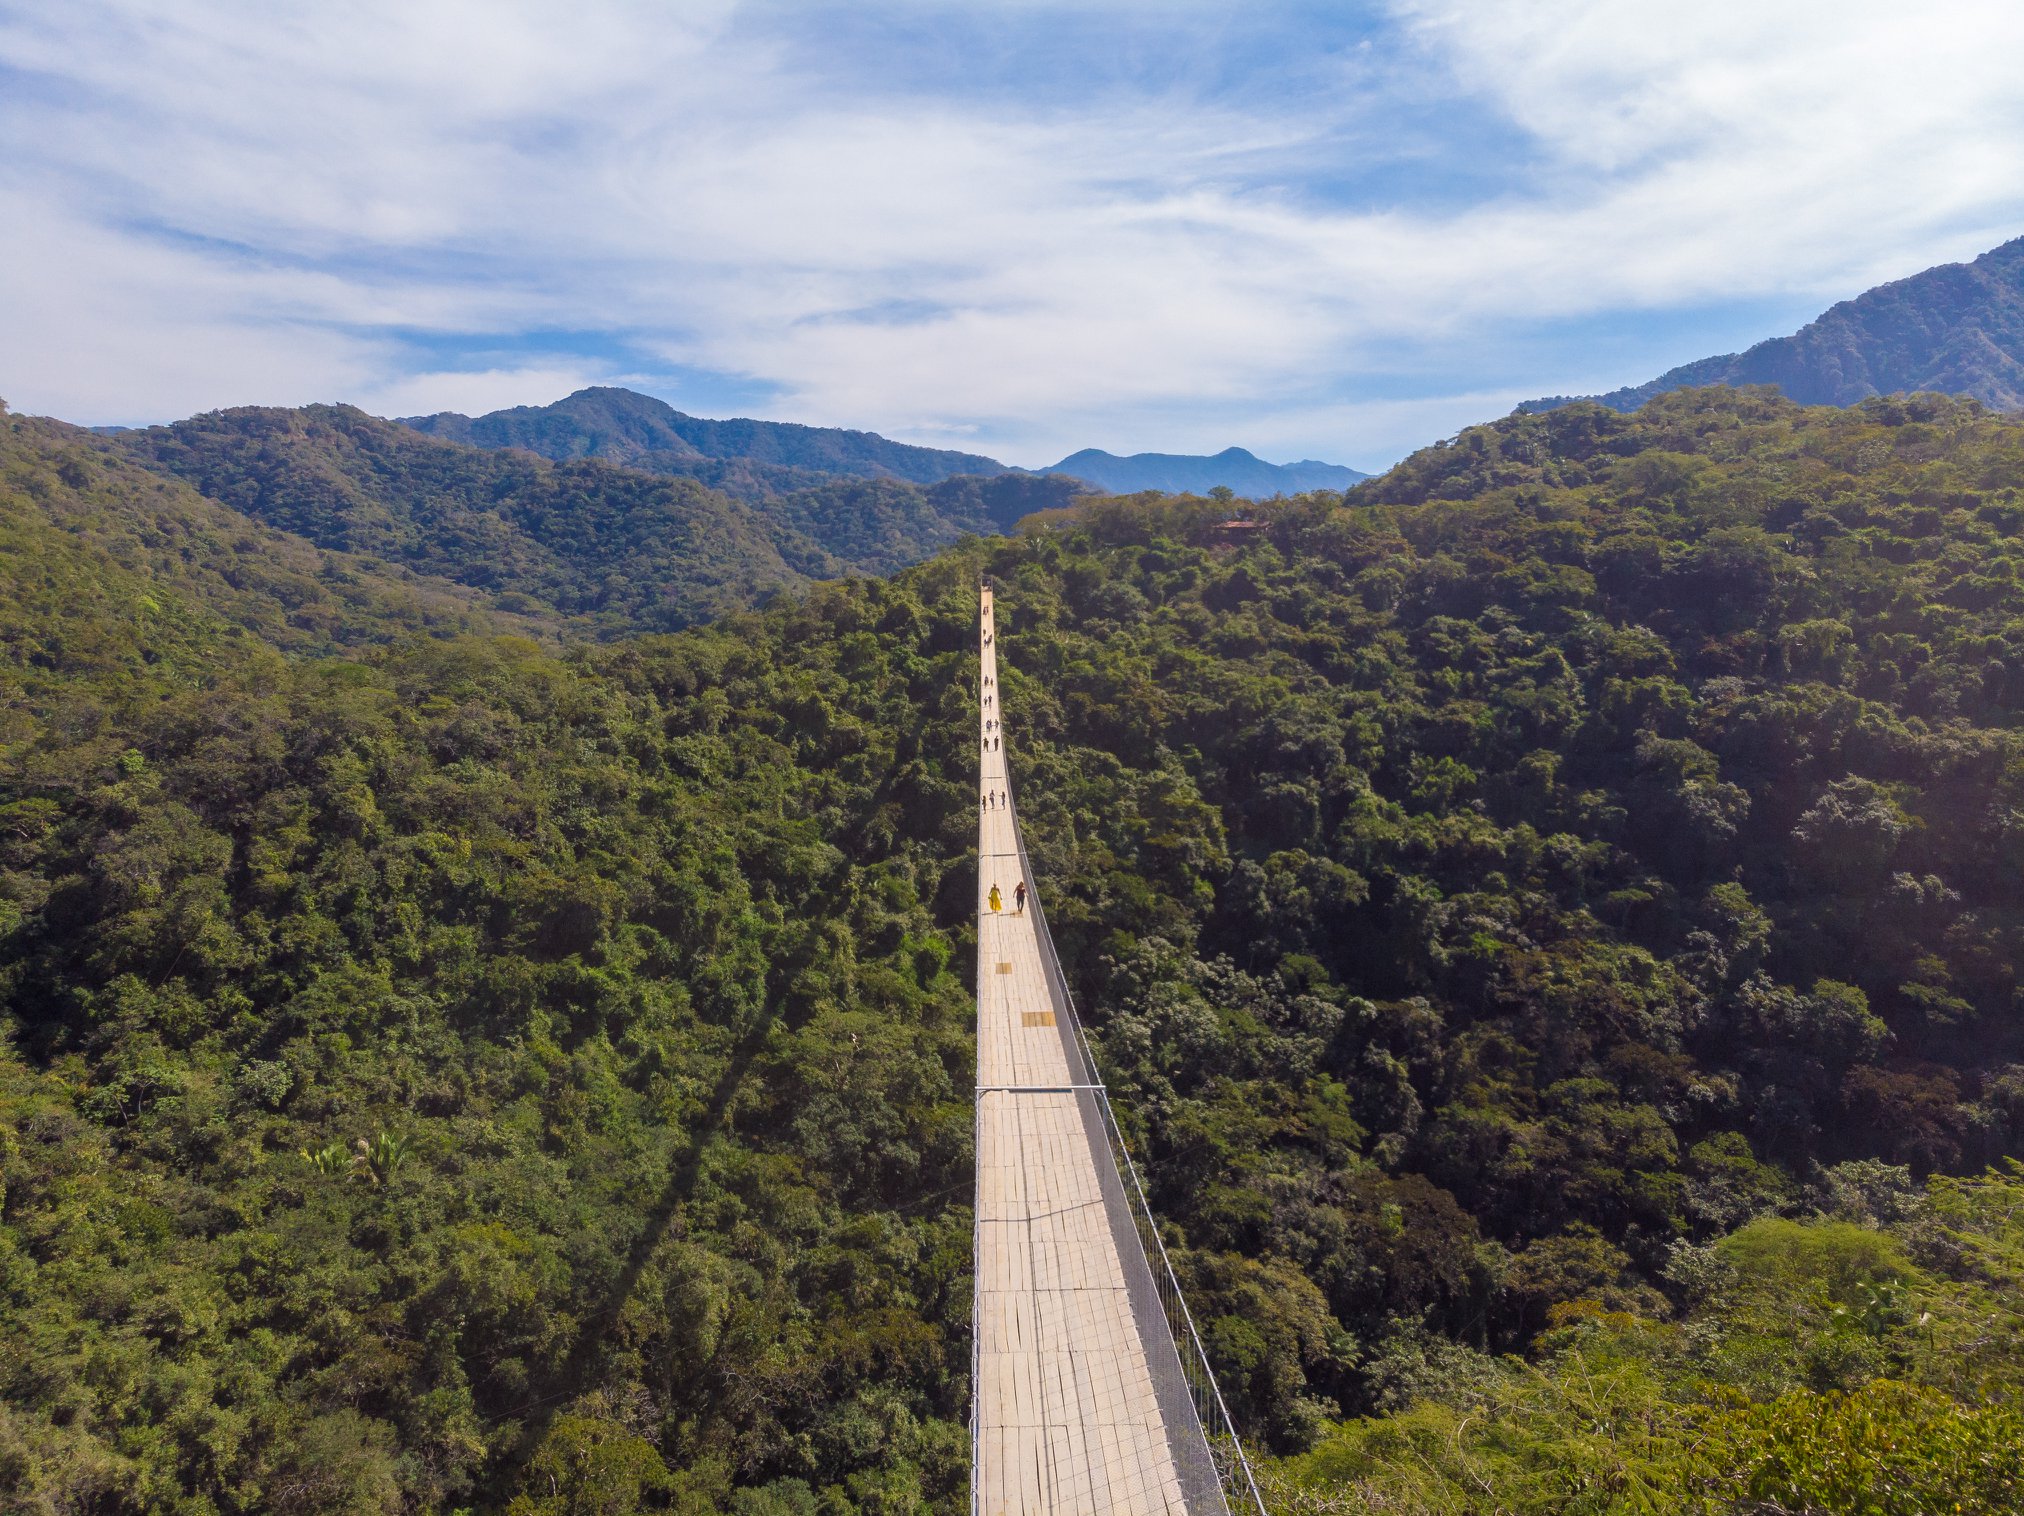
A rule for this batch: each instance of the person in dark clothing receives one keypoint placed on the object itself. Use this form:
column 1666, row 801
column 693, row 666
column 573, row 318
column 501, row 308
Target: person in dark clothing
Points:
column 1019, row 897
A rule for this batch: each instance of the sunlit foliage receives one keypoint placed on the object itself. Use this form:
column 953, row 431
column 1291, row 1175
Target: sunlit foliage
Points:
column 1551, row 918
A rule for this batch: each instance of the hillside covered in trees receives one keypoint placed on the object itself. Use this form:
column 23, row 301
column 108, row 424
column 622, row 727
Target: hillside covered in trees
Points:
column 1551, row 917
column 599, row 548
column 110, row 570
column 624, row 426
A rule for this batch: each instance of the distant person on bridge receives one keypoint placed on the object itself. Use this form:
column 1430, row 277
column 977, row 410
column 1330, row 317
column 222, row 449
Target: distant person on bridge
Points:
column 997, row 900
column 1019, row 897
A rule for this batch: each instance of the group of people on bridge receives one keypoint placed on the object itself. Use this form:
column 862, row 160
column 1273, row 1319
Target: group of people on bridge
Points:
column 995, row 799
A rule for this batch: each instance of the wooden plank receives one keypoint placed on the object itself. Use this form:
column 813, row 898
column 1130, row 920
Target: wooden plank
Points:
column 1067, row 1418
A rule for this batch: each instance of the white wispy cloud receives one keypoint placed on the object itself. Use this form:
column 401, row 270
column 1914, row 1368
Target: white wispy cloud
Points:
column 237, row 202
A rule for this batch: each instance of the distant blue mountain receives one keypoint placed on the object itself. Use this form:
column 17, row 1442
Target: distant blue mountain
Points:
column 759, row 459
column 1193, row 474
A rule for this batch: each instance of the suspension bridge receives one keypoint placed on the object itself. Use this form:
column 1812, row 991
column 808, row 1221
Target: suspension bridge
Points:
column 1090, row 1391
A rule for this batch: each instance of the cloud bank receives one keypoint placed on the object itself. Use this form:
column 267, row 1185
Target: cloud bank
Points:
column 1021, row 227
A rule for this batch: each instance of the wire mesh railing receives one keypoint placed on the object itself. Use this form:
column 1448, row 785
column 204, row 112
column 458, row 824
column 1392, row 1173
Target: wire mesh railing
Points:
column 1215, row 1474
column 976, row 1336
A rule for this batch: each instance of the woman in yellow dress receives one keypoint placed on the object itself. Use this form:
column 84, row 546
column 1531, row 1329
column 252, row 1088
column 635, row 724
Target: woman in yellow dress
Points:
column 997, row 900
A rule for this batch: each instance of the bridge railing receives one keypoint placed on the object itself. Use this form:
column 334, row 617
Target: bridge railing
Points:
column 1215, row 1474
column 976, row 1299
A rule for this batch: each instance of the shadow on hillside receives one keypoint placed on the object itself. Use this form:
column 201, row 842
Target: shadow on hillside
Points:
column 578, row 1371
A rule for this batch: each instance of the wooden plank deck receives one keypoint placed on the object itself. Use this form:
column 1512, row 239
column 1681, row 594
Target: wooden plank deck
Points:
column 1066, row 1416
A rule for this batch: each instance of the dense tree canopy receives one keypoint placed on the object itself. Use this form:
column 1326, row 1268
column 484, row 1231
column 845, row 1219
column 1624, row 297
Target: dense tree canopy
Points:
column 1550, row 917
column 603, row 549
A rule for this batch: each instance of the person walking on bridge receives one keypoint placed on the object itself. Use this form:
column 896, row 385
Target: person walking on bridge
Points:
column 1019, row 897
column 997, row 900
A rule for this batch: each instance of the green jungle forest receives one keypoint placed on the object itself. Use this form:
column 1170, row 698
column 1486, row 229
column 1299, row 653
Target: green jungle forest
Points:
column 595, row 548
column 1551, row 918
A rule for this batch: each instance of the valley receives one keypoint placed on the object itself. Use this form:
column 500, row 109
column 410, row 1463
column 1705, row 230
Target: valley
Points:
column 1533, row 908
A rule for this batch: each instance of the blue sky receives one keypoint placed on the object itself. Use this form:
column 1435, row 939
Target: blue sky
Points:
column 1018, row 228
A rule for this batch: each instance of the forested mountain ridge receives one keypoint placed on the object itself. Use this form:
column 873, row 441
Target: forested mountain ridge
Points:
column 882, row 525
column 110, row 571
column 1559, row 899
column 1956, row 329
column 624, row 426
column 607, row 548
column 588, row 540
column 758, row 460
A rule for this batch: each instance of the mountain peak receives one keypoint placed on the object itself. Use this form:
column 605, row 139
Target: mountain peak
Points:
column 624, row 426
column 1957, row 328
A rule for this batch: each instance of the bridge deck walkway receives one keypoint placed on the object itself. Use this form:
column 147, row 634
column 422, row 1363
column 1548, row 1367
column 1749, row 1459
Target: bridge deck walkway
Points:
column 1067, row 1418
